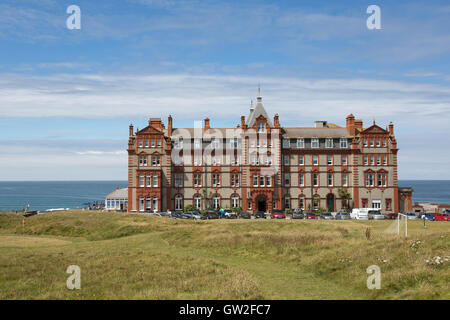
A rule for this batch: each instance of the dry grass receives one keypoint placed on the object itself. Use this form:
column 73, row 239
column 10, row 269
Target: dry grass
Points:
column 124, row 256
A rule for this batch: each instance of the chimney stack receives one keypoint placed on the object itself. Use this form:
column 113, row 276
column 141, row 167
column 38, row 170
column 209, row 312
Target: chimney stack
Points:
column 359, row 125
column 391, row 129
column 276, row 121
column 207, row 124
column 350, row 124
column 131, row 130
column 242, row 122
column 169, row 129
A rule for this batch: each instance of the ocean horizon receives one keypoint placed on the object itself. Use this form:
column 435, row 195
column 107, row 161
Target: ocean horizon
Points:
column 43, row 195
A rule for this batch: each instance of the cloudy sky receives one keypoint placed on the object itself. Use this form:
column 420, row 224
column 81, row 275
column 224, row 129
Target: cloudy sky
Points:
column 68, row 96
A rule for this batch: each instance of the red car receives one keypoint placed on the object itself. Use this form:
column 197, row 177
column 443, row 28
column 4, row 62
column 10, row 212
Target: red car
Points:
column 442, row 217
column 311, row 215
column 278, row 214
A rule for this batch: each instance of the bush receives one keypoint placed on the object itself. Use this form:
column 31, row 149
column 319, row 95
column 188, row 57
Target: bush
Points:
column 189, row 207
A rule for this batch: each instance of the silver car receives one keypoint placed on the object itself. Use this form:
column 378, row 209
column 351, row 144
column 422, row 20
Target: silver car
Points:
column 376, row 215
column 411, row 216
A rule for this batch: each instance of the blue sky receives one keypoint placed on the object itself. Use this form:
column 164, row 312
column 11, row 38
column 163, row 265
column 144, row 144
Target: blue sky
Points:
column 68, row 96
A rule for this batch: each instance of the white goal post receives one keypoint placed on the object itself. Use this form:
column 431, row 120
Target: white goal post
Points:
column 402, row 216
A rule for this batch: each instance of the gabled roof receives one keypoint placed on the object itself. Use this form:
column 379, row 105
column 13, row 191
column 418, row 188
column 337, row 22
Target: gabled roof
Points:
column 259, row 110
column 118, row 194
column 374, row 129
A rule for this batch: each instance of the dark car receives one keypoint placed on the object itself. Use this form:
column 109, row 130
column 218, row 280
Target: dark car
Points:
column 298, row 214
column 244, row 215
column 211, row 214
column 342, row 216
column 260, row 215
column 176, row 215
column 392, row 216
column 278, row 214
column 311, row 215
column 326, row 216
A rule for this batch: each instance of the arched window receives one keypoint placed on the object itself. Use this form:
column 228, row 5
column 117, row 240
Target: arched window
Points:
column 198, row 202
column 178, row 202
column 235, row 201
column 216, row 201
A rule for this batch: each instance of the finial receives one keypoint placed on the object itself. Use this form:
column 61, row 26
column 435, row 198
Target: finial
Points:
column 259, row 98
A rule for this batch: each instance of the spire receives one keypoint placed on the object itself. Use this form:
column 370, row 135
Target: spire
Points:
column 259, row 98
column 251, row 105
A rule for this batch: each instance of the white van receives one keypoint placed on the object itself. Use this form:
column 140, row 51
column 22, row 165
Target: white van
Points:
column 360, row 214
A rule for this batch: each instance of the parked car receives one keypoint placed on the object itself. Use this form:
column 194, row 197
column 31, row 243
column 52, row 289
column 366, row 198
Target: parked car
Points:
column 194, row 215
column 326, row 216
column 392, row 216
column 342, row 216
column 211, row 214
column 311, row 215
column 298, row 215
column 427, row 216
column 411, row 216
column 164, row 214
column 175, row 215
column 278, row 214
column 260, row 215
column 376, row 215
column 244, row 215
column 442, row 217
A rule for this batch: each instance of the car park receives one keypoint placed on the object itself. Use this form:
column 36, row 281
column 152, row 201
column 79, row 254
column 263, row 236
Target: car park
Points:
column 244, row 215
column 326, row 216
column 342, row 216
column 442, row 217
column 376, row 215
column 278, row 214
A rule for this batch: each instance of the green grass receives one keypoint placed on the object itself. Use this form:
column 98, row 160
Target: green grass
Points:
column 130, row 256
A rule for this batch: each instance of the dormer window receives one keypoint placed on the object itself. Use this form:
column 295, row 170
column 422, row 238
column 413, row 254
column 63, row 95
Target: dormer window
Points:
column 261, row 127
column 286, row 143
column 315, row 143
column 344, row 143
column 329, row 143
column 300, row 143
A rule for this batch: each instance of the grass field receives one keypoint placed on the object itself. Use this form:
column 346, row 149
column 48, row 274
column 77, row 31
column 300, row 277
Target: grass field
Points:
column 132, row 256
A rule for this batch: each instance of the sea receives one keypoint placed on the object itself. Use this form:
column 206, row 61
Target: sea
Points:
column 43, row 195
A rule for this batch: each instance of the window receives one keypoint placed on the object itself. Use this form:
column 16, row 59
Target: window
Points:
column 371, row 142
column 234, row 143
column 388, row 204
column 315, row 160
column 197, row 179
column 235, row 179
column 316, row 202
column 301, row 179
column 300, row 143
column 315, row 143
column 286, row 143
column 384, row 142
column 235, row 201
column 158, row 142
column 369, row 179
column 301, row 203
column 330, row 179
column 315, row 180
column 153, row 143
column 329, row 143
column 178, row 202
column 344, row 179
column 287, row 203
column 268, row 181
column 146, row 143
column 254, row 159
column 376, row 204
column 301, row 160
column 366, row 160
column 261, row 127
column 178, row 179
column 149, row 180
column 148, row 203
column 372, row 160
column 140, row 143
column 286, row 160
column 255, row 180
column 178, row 143
column 384, row 159
column 364, row 203
column 143, row 161
column 155, row 204
column 330, row 160
column 216, row 201
column 141, row 180
column 343, row 143
column 378, row 160
column 268, row 160
column 365, row 142
column 261, row 181
column 382, row 180
column 234, row 160
column 156, row 160
column 141, row 204
column 216, row 179
column 216, row 143
column 378, row 144
column 197, row 202
column 344, row 160
column 287, row 179
column 249, row 203
column 155, row 180
column 197, row 160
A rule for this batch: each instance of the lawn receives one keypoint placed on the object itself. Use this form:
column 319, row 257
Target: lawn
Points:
column 133, row 256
